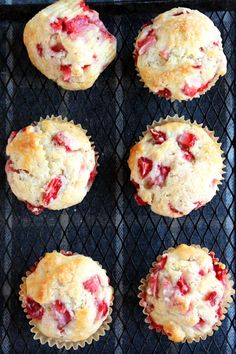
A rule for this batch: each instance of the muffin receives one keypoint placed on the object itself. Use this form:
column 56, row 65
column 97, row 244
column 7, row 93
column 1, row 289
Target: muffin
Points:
column 179, row 54
column 67, row 297
column 69, row 44
column 186, row 293
column 51, row 164
column 175, row 167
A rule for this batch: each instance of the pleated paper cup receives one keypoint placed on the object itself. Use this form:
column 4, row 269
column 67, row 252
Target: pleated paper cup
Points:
column 101, row 331
column 143, row 302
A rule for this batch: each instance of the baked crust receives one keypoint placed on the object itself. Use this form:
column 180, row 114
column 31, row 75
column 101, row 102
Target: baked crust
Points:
column 179, row 55
column 61, row 278
column 180, row 178
column 69, row 44
column 51, row 150
column 185, row 293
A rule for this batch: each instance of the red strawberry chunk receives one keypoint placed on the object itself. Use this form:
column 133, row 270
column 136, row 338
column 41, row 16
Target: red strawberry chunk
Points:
column 216, row 44
column 51, row 190
column 39, row 48
column 139, row 200
column 201, row 272
column 93, row 284
column 212, row 297
column 62, row 140
column 220, row 272
column 102, row 309
column 161, row 263
column 136, row 185
column 66, row 70
column 164, row 93
column 92, row 176
column 153, row 285
column 163, row 173
column 145, row 166
column 61, row 314
column 34, row 309
column 186, row 140
column 183, row 286
column 58, row 48
column 146, row 24
column 220, row 311
column 35, row 209
column 59, row 24
column 188, row 156
column 12, row 136
column 158, row 136
column 144, row 44
column 201, row 322
column 197, row 66
column 67, row 253
column 191, row 91
column 174, row 210
column 9, row 167
column 84, row 6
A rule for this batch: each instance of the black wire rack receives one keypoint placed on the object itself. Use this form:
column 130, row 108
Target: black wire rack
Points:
column 108, row 225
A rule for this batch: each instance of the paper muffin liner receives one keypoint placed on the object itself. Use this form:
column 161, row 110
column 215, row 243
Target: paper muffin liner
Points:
column 197, row 338
column 182, row 119
column 101, row 331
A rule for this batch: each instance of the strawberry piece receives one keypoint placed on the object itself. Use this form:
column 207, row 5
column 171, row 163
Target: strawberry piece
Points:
column 201, row 272
column 92, row 176
column 139, row 200
column 9, row 167
column 145, row 166
column 62, row 140
column 198, row 205
column 76, row 24
column 60, row 314
column 183, row 286
column 59, row 24
column 84, row 7
column 39, row 48
column 161, row 263
column 158, row 136
column 12, row 136
column 220, row 272
column 146, row 24
column 188, row 156
column 66, row 70
column 102, row 309
column 220, row 311
column 153, row 284
column 174, row 210
column 186, row 140
column 197, row 66
column 144, row 44
column 34, row 209
column 191, row 91
column 93, row 284
column 201, row 322
column 51, row 190
column 136, row 185
column 163, row 173
column 34, row 309
column 67, row 253
column 57, row 48
column 216, row 44
column 164, row 93
column 85, row 67
column 212, row 297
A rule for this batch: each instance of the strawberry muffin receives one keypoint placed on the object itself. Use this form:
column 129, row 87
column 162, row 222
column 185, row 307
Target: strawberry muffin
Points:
column 51, row 164
column 186, row 293
column 179, row 54
column 69, row 44
column 68, row 297
column 176, row 167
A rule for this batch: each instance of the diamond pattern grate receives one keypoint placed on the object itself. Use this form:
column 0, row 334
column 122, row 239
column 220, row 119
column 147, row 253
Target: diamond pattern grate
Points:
column 108, row 225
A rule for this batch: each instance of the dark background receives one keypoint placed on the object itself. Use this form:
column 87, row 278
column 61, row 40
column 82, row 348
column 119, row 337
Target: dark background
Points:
column 108, row 225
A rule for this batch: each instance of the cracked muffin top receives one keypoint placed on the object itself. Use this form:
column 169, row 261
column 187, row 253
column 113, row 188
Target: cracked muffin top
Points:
column 69, row 44
column 179, row 54
column 67, row 296
column 175, row 167
column 51, row 164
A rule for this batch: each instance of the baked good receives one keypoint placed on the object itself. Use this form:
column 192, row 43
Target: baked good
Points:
column 67, row 296
column 186, row 293
column 175, row 167
column 69, row 44
column 51, row 164
column 179, row 54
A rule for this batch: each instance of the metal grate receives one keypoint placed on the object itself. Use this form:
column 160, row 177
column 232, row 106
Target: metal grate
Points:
column 108, row 225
